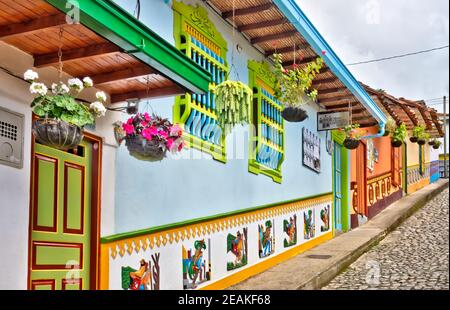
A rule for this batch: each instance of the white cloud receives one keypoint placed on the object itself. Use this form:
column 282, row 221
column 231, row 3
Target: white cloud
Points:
column 357, row 32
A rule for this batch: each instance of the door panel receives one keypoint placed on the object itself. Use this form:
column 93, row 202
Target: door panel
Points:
column 361, row 180
column 396, row 166
column 61, row 218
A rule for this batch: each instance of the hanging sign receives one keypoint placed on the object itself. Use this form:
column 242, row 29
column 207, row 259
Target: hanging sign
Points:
column 332, row 120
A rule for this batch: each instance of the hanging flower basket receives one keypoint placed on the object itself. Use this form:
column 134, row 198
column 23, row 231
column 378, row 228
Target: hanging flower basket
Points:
column 414, row 139
column 233, row 101
column 396, row 143
column 294, row 114
column 436, row 144
column 57, row 134
column 387, row 133
column 142, row 149
column 149, row 138
column 352, row 144
column 61, row 116
column 294, row 87
column 352, row 136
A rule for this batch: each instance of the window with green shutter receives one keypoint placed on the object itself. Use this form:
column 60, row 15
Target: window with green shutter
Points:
column 267, row 138
column 198, row 38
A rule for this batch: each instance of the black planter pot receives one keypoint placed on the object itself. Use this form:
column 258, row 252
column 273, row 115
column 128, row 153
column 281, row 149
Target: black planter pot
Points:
column 431, row 143
column 144, row 150
column 351, row 144
column 396, row 143
column 436, row 147
column 421, row 142
column 294, row 115
column 386, row 133
column 57, row 134
column 413, row 139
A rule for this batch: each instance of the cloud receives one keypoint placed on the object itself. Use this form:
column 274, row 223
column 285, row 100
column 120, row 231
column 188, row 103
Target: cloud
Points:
column 360, row 30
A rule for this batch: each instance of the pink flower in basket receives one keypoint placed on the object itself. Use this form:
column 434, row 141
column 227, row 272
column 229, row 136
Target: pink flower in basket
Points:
column 176, row 131
column 147, row 133
column 128, row 128
column 163, row 134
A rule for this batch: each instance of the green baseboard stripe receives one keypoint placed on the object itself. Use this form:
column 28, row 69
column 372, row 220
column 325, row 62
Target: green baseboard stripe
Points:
column 157, row 229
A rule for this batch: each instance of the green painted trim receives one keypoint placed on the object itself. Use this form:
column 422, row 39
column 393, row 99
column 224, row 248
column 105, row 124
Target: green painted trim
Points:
column 119, row 27
column 345, row 186
column 153, row 230
column 197, row 18
column 262, row 71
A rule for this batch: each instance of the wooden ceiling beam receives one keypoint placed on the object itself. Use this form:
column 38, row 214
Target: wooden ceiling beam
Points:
column 174, row 90
column 437, row 123
column 264, row 24
column 75, row 54
column 248, row 11
column 339, row 98
column 341, row 105
column 30, row 26
column 287, row 49
column 129, row 73
column 299, row 61
column 273, row 37
column 332, row 90
column 324, row 81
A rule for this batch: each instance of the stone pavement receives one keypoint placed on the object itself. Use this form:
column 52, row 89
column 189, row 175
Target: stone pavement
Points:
column 414, row 256
column 306, row 271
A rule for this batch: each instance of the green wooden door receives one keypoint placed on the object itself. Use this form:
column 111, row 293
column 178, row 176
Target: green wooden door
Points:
column 60, row 219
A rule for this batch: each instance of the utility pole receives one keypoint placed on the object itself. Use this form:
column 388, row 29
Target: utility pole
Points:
column 445, row 139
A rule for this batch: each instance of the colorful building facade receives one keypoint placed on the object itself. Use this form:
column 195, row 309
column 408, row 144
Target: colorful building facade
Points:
column 229, row 207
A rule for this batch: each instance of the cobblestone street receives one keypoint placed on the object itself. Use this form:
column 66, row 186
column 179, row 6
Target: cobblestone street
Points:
column 414, row 256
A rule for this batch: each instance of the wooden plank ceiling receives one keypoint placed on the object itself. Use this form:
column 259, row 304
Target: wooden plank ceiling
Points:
column 266, row 28
column 34, row 27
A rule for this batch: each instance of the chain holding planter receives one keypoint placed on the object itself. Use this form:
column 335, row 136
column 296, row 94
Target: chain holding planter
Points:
column 149, row 138
column 294, row 87
column 61, row 116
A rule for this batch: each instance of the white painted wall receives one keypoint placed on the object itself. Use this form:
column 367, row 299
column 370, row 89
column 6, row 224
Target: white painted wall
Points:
column 15, row 183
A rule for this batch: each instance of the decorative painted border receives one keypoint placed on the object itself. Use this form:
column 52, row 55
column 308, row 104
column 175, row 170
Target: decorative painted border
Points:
column 124, row 245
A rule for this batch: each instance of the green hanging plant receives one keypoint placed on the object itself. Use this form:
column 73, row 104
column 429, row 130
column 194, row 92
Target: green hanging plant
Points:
column 292, row 86
column 233, row 101
column 398, row 136
column 418, row 134
column 391, row 125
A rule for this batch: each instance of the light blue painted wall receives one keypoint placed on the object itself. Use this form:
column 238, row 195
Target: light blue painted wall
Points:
column 153, row 194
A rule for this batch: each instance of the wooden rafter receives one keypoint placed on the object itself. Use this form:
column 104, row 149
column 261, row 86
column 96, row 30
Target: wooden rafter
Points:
column 263, row 24
column 437, row 123
column 287, row 49
column 129, row 73
column 273, row 37
column 173, row 90
column 324, row 81
column 30, row 26
column 332, row 91
column 74, row 54
column 337, row 98
column 248, row 11
column 299, row 61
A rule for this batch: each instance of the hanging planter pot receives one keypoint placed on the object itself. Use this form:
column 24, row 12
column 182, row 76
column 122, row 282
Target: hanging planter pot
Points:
column 57, row 134
column 142, row 149
column 61, row 116
column 387, row 133
column 421, row 142
column 396, row 143
column 351, row 144
column 233, row 101
column 413, row 139
column 294, row 114
column 149, row 138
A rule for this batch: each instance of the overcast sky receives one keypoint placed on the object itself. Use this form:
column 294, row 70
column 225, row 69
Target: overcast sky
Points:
column 360, row 30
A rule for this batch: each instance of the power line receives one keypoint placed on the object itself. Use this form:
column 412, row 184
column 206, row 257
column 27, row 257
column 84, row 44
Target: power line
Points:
column 399, row 56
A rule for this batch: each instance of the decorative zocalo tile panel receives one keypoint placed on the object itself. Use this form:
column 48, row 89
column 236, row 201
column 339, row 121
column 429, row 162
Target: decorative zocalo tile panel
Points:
column 197, row 255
